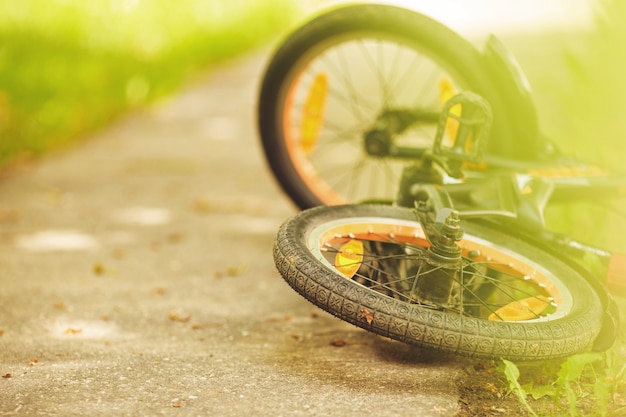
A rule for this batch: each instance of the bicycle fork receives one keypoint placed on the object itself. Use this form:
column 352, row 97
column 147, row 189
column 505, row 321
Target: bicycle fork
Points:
column 436, row 275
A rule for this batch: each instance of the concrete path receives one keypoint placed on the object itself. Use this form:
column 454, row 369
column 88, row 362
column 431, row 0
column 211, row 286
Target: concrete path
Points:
column 136, row 278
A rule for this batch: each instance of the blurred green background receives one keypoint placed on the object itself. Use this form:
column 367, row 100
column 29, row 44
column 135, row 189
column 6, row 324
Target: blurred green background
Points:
column 579, row 85
column 70, row 66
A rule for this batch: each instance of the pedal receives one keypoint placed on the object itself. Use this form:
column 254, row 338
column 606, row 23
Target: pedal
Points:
column 467, row 118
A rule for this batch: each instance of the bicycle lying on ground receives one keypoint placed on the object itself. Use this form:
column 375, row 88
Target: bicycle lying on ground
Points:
column 377, row 104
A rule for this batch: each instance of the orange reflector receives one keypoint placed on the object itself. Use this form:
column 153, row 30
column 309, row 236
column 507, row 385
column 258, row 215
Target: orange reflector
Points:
column 526, row 309
column 313, row 113
column 446, row 92
column 616, row 277
column 568, row 172
column 349, row 258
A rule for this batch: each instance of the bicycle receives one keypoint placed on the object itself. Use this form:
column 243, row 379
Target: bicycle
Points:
column 461, row 261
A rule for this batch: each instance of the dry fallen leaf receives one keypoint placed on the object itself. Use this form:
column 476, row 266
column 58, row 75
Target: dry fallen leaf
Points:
column 174, row 316
column 99, row 269
column 491, row 388
column 236, row 270
column 71, row 330
column 175, row 237
column 367, row 315
column 203, row 206
column 7, row 375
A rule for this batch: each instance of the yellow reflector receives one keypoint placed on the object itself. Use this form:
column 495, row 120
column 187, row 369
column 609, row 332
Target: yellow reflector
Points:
column 313, row 113
column 526, row 309
column 446, row 92
column 349, row 258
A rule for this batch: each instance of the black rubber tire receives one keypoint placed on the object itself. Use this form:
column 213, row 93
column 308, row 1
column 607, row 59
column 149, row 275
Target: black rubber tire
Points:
column 353, row 22
column 570, row 333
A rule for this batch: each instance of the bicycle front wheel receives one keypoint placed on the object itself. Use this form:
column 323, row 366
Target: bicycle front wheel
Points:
column 356, row 70
column 368, row 266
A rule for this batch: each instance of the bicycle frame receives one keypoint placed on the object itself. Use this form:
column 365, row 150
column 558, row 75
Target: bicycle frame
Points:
column 513, row 201
column 511, row 193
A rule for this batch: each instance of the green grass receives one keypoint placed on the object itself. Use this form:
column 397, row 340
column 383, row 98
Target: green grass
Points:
column 70, row 66
column 583, row 384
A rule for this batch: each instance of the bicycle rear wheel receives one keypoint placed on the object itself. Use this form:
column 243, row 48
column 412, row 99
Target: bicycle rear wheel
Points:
column 368, row 265
column 347, row 73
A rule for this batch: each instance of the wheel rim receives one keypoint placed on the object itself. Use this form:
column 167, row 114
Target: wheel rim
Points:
column 338, row 90
column 495, row 284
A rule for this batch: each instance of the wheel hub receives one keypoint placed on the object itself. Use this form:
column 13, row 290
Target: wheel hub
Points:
column 377, row 143
column 390, row 123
